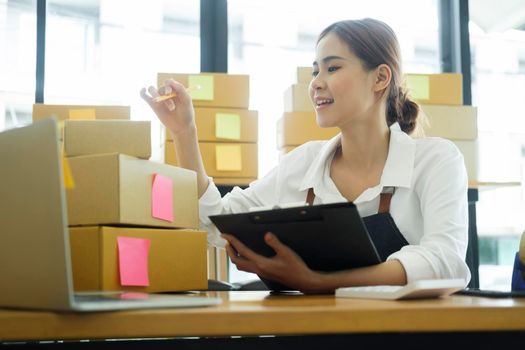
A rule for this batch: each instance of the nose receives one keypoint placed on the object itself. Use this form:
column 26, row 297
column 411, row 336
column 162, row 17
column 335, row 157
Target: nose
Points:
column 317, row 83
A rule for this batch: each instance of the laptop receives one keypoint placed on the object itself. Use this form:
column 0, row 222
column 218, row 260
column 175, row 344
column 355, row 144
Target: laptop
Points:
column 35, row 264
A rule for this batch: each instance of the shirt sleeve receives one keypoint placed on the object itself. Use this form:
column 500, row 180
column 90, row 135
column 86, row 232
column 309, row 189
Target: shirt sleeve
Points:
column 442, row 190
column 261, row 192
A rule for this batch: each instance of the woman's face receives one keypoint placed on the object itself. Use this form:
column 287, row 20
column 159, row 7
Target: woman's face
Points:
column 341, row 89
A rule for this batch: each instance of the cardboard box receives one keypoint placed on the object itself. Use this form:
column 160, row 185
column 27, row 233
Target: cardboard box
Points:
column 451, row 122
column 117, row 189
column 470, row 151
column 177, row 259
column 216, row 89
column 436, row 89
column 304, row 75
column 233, row 181
column 83, row 137
column 82, row 112
column 226, row 160
column 225, row 125
column 296, row 128
column 297, row 99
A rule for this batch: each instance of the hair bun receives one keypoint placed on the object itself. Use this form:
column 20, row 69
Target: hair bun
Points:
column 402, row 109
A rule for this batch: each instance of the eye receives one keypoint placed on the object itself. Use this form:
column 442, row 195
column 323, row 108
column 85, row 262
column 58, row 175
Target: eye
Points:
column 333, row 69
column 314, row 73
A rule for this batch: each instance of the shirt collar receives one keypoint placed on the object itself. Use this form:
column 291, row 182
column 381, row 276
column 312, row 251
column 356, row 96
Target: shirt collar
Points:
column 399, row 164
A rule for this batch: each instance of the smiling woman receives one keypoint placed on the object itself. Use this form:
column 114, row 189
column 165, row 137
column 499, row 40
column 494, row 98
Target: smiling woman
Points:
column 355, row 43
column 412, row 189
column 271, row 56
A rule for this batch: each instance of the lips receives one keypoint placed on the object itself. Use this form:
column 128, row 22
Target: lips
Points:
column 321, row 102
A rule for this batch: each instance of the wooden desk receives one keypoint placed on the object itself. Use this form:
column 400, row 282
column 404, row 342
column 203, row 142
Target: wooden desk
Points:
column 315, row 318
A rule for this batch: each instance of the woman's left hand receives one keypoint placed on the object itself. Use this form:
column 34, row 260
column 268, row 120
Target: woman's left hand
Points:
column 285, row 266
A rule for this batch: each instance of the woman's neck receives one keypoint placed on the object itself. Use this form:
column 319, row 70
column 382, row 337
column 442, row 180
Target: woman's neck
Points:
column 364, row 145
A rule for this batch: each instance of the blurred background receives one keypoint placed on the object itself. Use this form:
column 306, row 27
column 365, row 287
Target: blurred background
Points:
column 105, row 51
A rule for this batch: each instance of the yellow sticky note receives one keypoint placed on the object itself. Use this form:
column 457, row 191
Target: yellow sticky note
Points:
column 68, row 176
column 82, row 114
column 419, row 86
column 60, row 128
column 228, row 157
column 228, row 126
column 201, row 87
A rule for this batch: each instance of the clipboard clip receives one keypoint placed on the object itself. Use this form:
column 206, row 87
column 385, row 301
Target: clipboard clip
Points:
column 277, row 206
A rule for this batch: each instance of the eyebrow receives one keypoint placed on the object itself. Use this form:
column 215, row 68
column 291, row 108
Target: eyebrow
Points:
column 328, row 58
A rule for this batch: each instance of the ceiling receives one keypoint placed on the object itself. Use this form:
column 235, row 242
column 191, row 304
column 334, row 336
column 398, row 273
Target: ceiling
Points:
column 498, row 16
column 490, row 15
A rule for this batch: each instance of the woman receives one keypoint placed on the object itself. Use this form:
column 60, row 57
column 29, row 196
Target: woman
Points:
column 415, row 188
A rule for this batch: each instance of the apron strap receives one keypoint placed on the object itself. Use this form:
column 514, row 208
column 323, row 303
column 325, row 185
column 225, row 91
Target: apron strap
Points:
column 310, row 197
column 384, row 203
column 384, row 199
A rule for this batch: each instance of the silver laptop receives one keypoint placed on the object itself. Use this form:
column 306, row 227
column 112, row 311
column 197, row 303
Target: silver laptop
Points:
column 35, row 264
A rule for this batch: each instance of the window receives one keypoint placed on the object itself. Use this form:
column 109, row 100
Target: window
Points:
column 498, row 82
column 268, row 39
column 17, row 61
column 105, row 51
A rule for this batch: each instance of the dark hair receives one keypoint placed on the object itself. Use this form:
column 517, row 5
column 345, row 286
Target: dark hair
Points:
column 375, row 43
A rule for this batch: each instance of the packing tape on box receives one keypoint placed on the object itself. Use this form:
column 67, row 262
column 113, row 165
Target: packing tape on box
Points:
column 83, row 114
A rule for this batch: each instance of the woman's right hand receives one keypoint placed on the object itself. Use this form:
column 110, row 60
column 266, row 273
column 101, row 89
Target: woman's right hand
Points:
column 177, row 113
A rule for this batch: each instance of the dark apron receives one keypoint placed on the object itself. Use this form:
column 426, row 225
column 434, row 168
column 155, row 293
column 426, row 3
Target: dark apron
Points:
column 381, row 227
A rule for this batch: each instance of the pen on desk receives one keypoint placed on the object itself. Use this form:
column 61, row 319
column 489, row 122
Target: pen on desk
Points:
column 173, row 94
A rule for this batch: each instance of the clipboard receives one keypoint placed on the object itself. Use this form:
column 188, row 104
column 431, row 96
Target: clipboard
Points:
column 328, row 237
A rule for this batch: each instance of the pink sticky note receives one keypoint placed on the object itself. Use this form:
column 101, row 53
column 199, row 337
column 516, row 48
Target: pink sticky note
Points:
column 133, row 261
column 134, row 296
column 162, row 198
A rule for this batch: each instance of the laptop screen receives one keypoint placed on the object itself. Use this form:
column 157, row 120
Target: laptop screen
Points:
column 34, row 254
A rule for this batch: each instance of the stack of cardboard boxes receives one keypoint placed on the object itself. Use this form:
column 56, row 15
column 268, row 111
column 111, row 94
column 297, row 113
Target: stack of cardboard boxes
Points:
column 298, row 123
column 227, row 130
column 123, row 209
column 440, row 97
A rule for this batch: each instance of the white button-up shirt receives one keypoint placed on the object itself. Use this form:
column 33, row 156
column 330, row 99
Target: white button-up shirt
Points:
column 429, row 205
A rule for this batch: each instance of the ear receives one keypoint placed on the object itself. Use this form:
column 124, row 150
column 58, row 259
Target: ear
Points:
column 383, row 75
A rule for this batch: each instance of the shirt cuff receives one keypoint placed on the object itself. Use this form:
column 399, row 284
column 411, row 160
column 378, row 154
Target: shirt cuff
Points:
column 214, row 237
column 416, row 267
column 209, row 202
